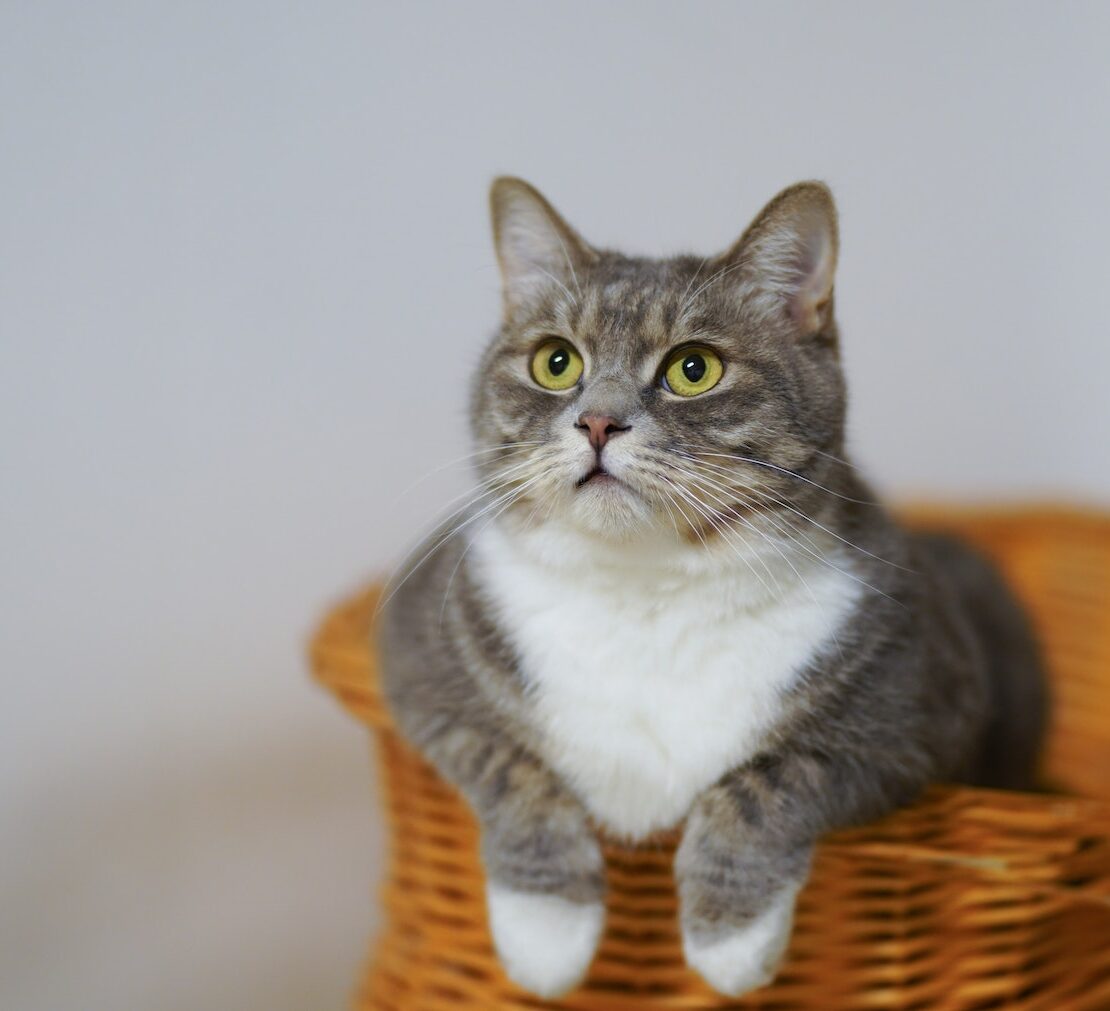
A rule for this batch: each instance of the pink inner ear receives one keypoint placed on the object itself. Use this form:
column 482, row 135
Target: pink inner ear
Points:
column 816, row 266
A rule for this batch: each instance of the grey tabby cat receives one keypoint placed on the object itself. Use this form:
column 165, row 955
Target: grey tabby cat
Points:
column 674, row 602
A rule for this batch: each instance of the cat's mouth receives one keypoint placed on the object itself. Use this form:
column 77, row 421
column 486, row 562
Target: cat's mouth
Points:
column 597, row 476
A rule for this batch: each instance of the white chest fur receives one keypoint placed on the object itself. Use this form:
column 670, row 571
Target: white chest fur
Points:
column 648, row 683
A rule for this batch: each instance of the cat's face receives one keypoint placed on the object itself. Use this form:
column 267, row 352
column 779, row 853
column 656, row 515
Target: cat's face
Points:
column 628, row 396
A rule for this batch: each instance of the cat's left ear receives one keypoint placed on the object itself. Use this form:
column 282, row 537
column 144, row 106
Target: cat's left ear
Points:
column 536, row 249
column 786, row 260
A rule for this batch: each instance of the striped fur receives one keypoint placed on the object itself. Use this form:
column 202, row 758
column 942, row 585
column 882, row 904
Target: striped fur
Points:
column 726, row 631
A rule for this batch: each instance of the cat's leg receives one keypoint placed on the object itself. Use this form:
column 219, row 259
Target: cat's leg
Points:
column 544, row 868
column 746, row 850
column 737, row 887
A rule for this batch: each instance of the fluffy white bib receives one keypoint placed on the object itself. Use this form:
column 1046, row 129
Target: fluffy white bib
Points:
column 650, row 681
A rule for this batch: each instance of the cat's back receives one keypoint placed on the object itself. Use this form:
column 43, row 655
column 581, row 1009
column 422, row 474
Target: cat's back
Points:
column 973, row 591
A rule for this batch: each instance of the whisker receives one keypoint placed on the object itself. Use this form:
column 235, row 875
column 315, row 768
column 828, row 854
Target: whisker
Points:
column 782, row 470
column 666, row 500
column 851, row 575
column 744, row 494
column 519, row 492
column 489, row 483
column 686, row 519
column 704, row 484
column 720, row 528
column 513, row 448
column 442, row 540
column 835, row 459
column 820, row 556
column 832, row 533
column 555, row 279
column 690, row 284
column 773, row 542
column 776, row 500
column 566, row 256
column 810, row 548
column 717, row 275
column 725, row 517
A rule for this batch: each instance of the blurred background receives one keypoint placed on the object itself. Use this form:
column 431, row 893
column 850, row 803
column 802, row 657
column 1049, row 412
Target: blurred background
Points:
column 244, row 275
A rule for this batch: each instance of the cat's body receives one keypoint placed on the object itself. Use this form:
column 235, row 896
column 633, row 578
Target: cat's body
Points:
column 719, row 627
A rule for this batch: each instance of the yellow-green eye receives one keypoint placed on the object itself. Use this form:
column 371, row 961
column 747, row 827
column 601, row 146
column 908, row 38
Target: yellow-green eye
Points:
column 556, row 366
column 692, row 371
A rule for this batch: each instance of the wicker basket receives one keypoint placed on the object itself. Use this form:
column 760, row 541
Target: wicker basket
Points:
column 968, row 899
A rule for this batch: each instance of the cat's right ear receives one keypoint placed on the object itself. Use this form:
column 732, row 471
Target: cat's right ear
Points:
column 536, row 249
column 786, row 260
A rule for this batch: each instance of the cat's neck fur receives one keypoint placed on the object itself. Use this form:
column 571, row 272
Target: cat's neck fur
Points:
column 757, row 570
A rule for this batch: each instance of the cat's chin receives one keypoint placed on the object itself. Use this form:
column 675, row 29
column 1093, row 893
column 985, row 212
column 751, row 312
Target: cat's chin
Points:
column 608, row 507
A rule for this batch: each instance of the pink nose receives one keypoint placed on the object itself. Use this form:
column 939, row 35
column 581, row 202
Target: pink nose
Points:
column 600, row 428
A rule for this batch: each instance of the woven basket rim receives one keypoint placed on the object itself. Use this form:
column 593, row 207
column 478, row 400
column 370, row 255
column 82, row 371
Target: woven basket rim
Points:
column 965, row 895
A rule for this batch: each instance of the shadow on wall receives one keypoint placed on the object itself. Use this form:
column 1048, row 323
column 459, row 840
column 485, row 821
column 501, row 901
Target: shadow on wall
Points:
column 201, row 885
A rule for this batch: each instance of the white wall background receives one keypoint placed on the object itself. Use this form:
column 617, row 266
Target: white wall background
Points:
column 244, row 273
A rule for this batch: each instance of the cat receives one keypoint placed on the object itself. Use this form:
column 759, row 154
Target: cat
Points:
column 675, row 602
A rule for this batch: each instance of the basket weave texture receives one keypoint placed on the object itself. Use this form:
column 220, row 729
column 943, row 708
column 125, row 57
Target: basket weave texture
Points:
column 969, row 899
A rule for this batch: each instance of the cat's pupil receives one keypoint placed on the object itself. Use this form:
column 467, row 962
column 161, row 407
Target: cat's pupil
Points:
column 558, row 362
column 693, row 368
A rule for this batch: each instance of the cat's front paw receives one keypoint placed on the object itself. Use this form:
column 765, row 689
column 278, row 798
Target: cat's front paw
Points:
column 545, row 942
column 742, row 959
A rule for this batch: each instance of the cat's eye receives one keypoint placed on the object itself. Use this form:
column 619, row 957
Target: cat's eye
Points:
column 556, row 365
column 692, row 371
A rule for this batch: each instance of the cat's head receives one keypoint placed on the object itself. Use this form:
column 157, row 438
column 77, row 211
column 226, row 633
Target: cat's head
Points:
column 625, row 395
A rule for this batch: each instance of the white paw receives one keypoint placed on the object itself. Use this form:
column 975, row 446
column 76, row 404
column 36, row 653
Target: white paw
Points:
column 545, row 943
column 745, row 959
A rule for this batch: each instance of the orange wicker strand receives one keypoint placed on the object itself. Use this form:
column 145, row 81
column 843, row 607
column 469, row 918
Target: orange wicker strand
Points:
column 969, row 899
